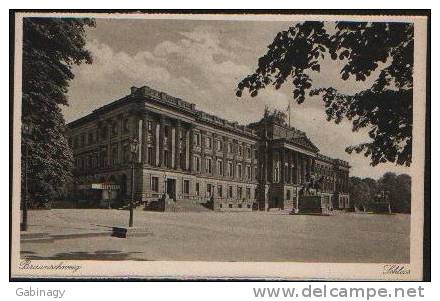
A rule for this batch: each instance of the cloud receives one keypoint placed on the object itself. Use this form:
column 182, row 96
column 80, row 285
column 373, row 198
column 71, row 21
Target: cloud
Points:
column 204, row 67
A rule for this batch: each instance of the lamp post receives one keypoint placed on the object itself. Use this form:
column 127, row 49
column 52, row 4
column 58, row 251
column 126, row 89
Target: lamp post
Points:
column 26, row 131
column 133, row 149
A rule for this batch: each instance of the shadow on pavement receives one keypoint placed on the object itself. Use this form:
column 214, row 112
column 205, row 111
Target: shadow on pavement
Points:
column 97, row 255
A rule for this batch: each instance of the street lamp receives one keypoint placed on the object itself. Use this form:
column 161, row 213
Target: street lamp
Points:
column 133, row 150
column 26, row 131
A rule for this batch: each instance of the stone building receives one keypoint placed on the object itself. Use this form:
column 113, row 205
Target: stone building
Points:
column 197, row 158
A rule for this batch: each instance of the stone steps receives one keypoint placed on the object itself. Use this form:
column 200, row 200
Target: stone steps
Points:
column 186, row 206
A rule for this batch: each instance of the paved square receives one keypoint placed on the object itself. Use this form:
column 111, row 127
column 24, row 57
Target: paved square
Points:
column 217, row 236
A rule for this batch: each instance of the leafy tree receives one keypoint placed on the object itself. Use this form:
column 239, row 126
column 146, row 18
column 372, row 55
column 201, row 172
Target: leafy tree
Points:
column 398, row 189
column 361, row 191
column 51, row 46
column 385, row 108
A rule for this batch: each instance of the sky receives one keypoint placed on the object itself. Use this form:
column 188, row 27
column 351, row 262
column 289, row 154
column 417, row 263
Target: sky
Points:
column 202, row 61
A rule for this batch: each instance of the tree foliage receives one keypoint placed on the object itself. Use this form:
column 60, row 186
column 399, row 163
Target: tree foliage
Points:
column 362, row 191
column 51, row 46
column 397, row 187
column 385, row 108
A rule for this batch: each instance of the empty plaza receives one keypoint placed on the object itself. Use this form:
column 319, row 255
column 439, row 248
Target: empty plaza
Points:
column 215, row 236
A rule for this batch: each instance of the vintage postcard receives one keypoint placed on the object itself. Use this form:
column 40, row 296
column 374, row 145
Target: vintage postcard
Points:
column 218, row 146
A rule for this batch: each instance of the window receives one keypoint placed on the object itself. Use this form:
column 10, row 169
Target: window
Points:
column 196, row 163
column 126, row 153
column 230, row 205
column 220, row 191
column 208, row 167
column 276, row 174
column 219, row 145
column 166, row 135
column 150, row 155
column 103, row 157
column 155, row 184
column 90, row 138
column 240, row 205
column 208, row 142
column 197, row 188
column 104, row 132
column 240, row 150
column 288, row 194
column 220, row 167
column 166, row 158
column 248, row 193
column 248, row 152
column 230, row 169
column 248, row 172
column 239, row 193
column 209, row 189
column 125, row 126
column 114, row 155
column 186, row 186
column 83, row 140
column 229, row 147
column 230, row 192
column 239, row 173
column 114, row 129
column 255, row 173
column 197, row 139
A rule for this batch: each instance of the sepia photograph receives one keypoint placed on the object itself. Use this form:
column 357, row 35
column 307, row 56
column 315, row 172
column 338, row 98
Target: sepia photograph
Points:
column 213, row 146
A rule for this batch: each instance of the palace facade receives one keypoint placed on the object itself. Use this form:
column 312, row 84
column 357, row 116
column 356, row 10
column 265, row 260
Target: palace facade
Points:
column 195, row 157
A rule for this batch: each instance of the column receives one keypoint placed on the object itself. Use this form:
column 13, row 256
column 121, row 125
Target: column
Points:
column 157, row 142
column 161, row 141
column 214, row 155
column 289, row 166
column 295, row 167
column 173, row 147
column 282, row 167
column 225, row 157
column 178, row 145
column 188, row 149
column 202, row 152
column 309, row 167
column 303, row 169
column 140, row 140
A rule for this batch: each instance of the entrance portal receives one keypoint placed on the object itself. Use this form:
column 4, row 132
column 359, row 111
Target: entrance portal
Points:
column 171, row 188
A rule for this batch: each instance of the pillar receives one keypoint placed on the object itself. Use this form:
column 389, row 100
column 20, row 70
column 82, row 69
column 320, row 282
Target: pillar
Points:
column 140, row 140
column 202, row 152
column 178, row 145
column 188, row 146
column 282, row 168
column 173, row 147
column 161, row 142
column 157, row 142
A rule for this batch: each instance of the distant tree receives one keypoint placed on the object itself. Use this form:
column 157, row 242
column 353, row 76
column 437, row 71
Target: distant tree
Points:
column 51, row 46
column 361, row 191
column 404, row 193
column 398, row 189
column 385, row 108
